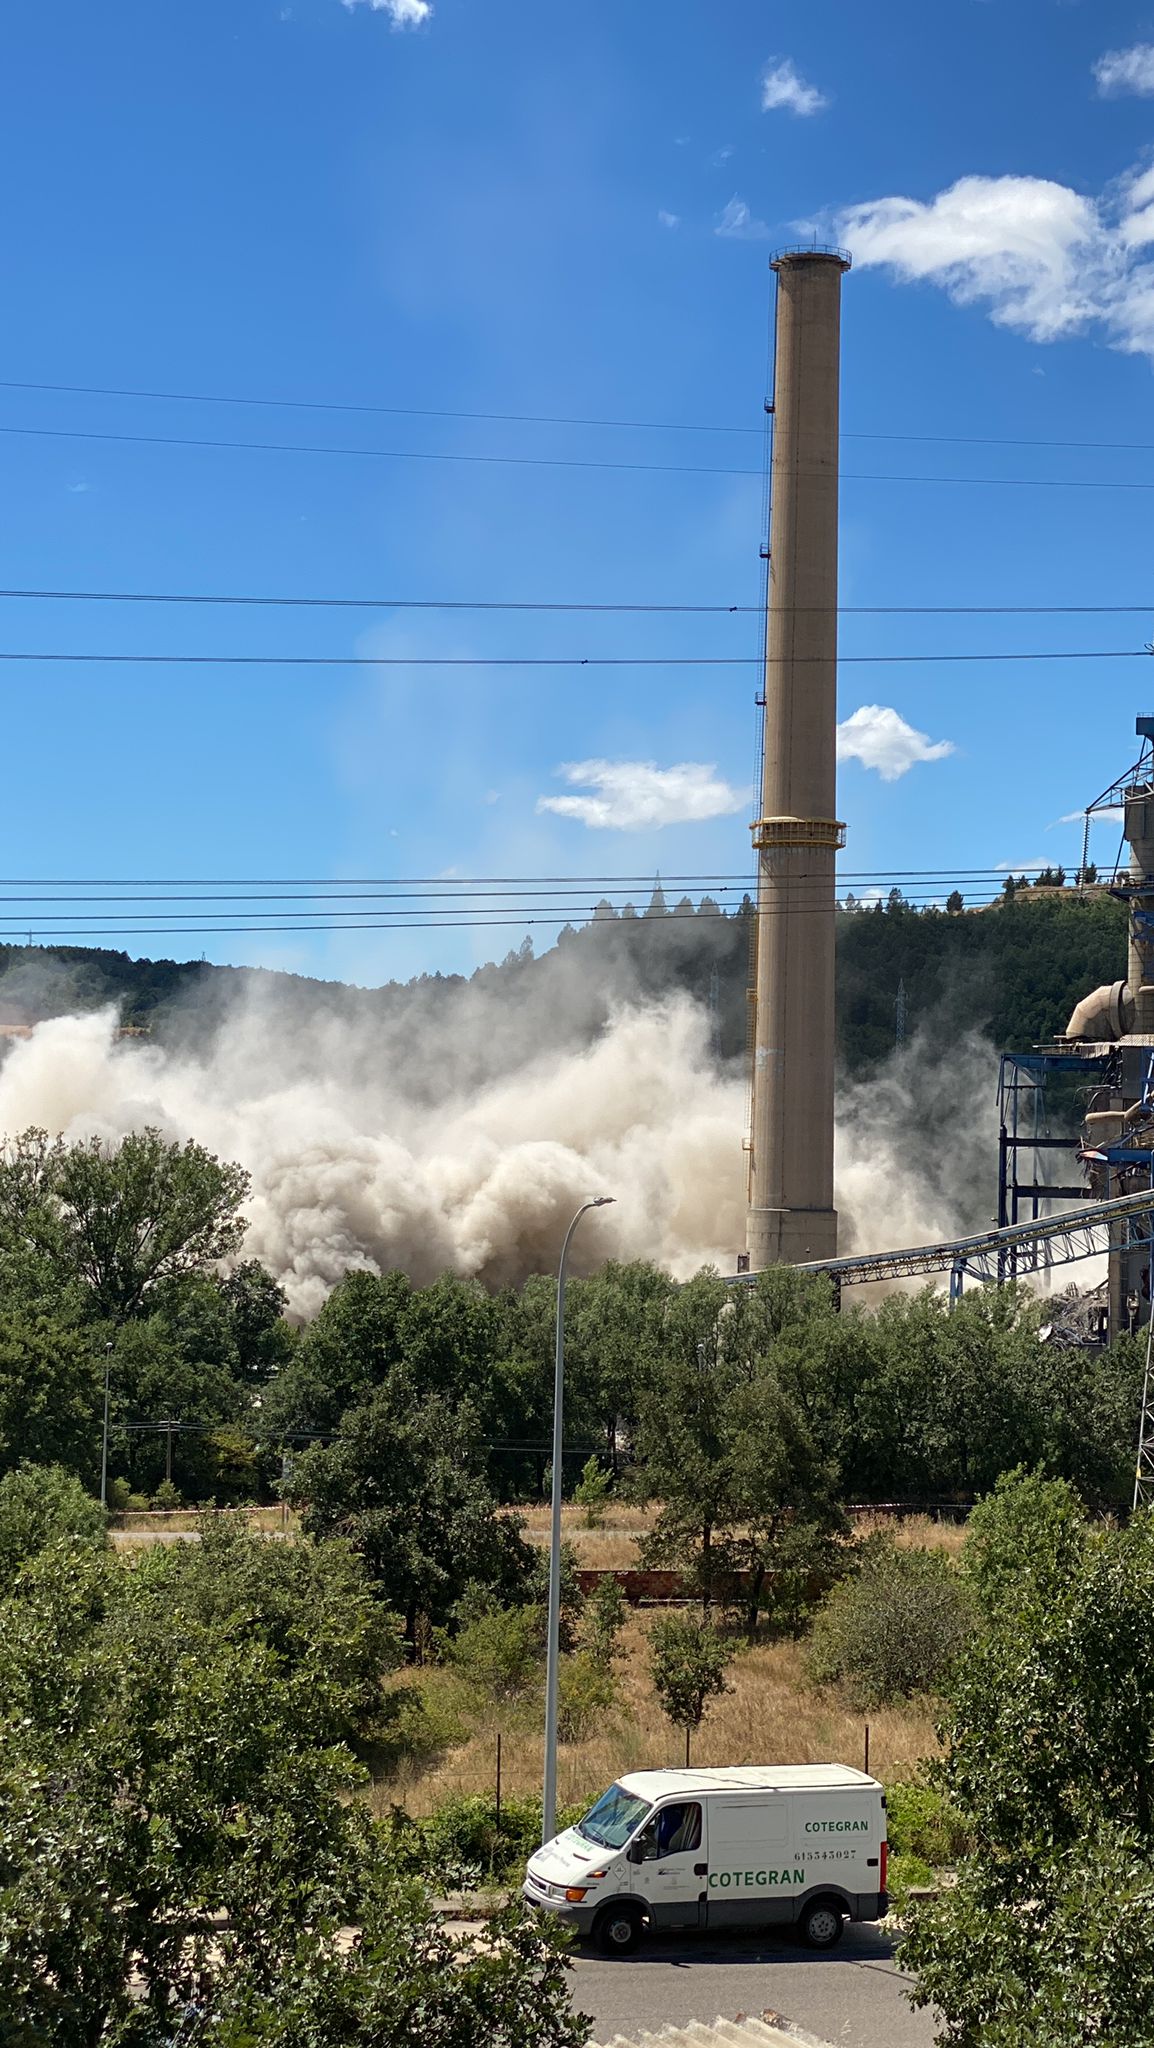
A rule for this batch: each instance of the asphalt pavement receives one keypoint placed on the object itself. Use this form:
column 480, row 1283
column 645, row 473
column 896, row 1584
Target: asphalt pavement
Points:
column 853, row 1996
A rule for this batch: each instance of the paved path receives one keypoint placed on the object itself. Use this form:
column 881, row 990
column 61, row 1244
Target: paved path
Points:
column 853, row 1997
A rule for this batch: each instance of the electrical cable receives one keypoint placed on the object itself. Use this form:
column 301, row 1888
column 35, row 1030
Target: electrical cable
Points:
column 504, row 922
column 552, row 660
column 549, row 461
column 459, row 604
column 541, row 419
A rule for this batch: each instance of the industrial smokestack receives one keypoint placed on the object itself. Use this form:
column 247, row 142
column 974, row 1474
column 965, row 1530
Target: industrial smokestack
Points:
column 791, row 1212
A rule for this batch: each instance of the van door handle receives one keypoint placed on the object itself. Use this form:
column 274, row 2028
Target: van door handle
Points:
column 701, row 1870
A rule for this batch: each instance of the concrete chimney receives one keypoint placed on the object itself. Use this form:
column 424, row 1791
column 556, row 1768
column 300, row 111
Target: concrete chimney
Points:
column 791, row 1213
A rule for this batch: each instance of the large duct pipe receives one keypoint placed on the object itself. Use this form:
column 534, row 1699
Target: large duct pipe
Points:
column 791, row 1213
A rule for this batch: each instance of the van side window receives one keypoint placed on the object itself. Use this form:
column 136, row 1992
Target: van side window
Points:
column 675, row 1830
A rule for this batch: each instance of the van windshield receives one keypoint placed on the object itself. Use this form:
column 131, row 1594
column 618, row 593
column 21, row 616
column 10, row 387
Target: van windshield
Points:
column 614, row 1818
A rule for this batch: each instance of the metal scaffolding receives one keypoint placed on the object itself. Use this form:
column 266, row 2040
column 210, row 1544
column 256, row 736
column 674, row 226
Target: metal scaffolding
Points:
column 1085, row 1233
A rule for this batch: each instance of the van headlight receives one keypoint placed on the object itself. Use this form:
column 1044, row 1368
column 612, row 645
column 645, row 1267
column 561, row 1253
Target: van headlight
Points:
column 576, row 1893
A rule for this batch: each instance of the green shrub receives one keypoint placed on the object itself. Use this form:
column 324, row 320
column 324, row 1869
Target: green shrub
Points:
column 923, row 1824
column 500, row 1654
column 893, row 1629
column 906, row 1874
column 1024, row 1544
column 167, row 1496
column 586, row 1690
column 606, row 1611
column 119, row 1495
column 464, row 1843
column 137, row 1504
column 41, row 1505
column 592, row 1490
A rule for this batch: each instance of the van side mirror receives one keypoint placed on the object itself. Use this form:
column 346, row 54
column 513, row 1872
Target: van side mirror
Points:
column 635, row 1853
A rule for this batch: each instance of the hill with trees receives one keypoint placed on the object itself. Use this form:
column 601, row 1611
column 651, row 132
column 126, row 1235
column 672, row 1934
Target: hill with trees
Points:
column 1011, row 971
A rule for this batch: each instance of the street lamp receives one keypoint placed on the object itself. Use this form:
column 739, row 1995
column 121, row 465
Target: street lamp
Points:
column 549, row 1799
column 104, row 1438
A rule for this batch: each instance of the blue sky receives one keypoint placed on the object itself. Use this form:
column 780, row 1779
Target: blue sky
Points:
column 497, row 206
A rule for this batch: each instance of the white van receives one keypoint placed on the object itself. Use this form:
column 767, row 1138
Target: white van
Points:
column 803, row 1844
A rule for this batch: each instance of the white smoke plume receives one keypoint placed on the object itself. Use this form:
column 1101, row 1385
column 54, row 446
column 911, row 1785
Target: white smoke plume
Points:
column 361, row 1159
column 349, row 1171
column 917, row 1147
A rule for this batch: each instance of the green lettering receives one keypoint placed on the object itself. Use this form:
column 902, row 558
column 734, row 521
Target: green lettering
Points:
column 748, row 1876
column 799, row 1877
column 762, row 1877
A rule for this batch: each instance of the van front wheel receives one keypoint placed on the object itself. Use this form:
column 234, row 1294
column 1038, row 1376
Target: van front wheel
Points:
column 618, row 1931
column 822, row 1923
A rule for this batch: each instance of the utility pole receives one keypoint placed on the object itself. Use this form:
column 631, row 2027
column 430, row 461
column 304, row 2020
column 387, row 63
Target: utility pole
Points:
column 900, row 1017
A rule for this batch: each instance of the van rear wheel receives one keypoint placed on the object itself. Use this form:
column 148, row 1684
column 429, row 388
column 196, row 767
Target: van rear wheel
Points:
column 822, row 1923
column 619, row 1929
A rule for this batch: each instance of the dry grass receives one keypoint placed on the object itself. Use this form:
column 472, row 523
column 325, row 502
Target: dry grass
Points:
column 773, row 1715
column 151, row 1522
column 613, row 1546
column 914, row 1532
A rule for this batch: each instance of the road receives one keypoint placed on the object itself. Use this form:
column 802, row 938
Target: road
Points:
column 853, row 1997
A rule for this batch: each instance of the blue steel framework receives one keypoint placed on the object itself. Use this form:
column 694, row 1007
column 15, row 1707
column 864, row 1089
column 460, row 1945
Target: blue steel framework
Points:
column 1024, row 1130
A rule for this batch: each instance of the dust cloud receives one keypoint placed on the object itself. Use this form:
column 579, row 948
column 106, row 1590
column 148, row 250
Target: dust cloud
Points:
column 462, row 1138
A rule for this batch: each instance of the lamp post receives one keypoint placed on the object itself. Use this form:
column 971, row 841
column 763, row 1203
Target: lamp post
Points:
column 549, row 1798
column 104, row 1438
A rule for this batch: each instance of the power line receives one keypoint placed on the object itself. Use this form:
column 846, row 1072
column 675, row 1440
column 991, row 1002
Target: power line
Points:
column 552, row 660
column 447, row 883
column 461, row 604
column 87, row 934
column 552, row 461
column 542, row 419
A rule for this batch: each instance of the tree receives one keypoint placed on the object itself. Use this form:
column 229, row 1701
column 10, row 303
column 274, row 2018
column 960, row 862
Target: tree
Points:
column 1050, row 1762
column 407, row 1981
column 167, row 1815
column 735, row 1443
column 404, row 1483
column 591, row 1490
column 688, row 1662
column 955, row 902
column 312, row 1605
column 895, row 1628
column 122, row 1219
column 50, row 1378
column 1025, row 1544
column 683, row 1437
column 42, row 1505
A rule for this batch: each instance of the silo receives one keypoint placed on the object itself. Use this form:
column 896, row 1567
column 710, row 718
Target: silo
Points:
column 796, row 837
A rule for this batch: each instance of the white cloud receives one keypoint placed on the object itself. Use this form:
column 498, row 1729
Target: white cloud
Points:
column 1122, row 71
column 668, row 220
column 401, row 13
column 783, row 86
column 1113, row 815
column 1036, row 255
column 1020, row 867
column 737, row 224
column 879, row 738
column 633, row 796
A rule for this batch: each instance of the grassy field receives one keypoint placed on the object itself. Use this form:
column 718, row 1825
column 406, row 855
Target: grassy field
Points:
column 613, row 1545
column 772, row 1715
